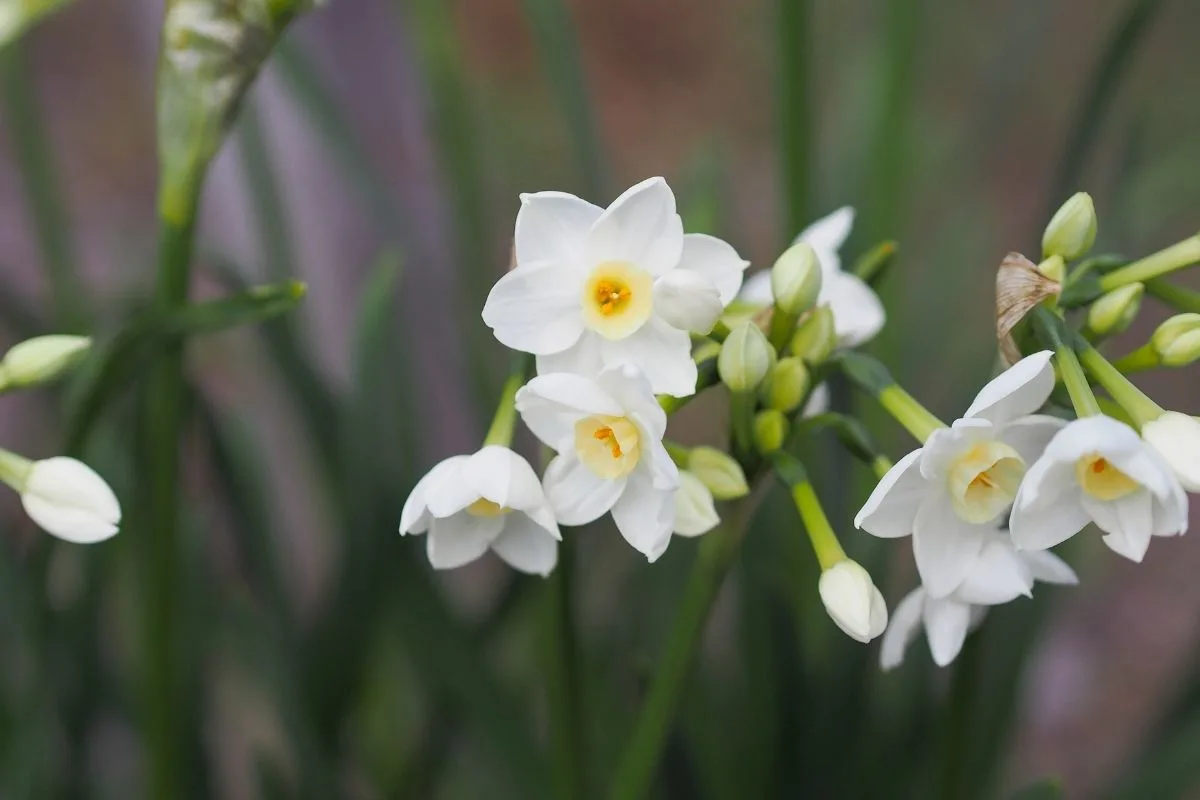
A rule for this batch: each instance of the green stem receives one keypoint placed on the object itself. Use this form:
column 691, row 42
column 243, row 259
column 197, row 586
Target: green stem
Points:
column 1179, row 298
column 35, row 162
column 742, row 423
column 795, row 112
column 1049, row 327
column 504, row 421
column 1136, row 403
column 562, row 680
column 1165, row 261
column 791, row 473
column 14, row 470
column 905, row 409
column 1140, row 360
column 678, row 453
column 717, row 550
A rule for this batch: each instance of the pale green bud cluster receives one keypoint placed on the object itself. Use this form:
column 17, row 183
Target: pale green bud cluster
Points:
column 1115, row 311
column 1072, row 229
column 745, row 359
column 40, row 360
column 1177, row 341
column 796, row 279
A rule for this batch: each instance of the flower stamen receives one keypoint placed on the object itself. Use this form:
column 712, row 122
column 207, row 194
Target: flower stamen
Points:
column 1099, row 478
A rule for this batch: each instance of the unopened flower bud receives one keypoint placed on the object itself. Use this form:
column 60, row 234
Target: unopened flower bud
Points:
column 1072, row 230
column 1116, row 310
column 796, row 279
column 786, row 385
column 770, row 430
column 746, row 357
column 65, row 497
column 719, row 472
column 1177, row 341
column 852, row 600
column 41, row 359
column 1176, row 437
column 694, row 510
column 816, row 336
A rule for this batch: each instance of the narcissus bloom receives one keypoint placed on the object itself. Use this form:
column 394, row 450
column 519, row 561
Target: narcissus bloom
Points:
column 952, row 493
column 852, row 601
column 608, row 434
column 857, row 312
column 489, row 500
column 999, row 574
column 595, row 288
column 1099, row 470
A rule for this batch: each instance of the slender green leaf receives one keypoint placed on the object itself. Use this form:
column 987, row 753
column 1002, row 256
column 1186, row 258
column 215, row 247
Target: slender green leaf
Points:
column 796, row 123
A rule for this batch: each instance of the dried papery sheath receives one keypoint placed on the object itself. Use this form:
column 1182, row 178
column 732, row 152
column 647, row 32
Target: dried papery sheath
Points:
column 1019, row 288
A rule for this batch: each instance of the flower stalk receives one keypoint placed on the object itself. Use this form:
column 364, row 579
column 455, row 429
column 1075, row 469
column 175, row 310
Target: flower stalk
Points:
column 791, row 473
column 1050, row 329
column 505, row 419
column 1136, row 403
column 1164, row 262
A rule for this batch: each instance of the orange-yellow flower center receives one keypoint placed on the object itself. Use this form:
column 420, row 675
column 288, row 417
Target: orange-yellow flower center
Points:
column 617, row 299
column 486, row 508
column 1102, row 480
column 983, row 481
column 607, row 436
column 608, row 446
column 611, row 296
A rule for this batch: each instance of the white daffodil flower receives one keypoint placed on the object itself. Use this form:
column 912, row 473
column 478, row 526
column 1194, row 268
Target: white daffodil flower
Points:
column 695, row 511
column 999, row 574
column 852, row 601
column 950, row 493
column 858, row 314
column 1099, row 470
column 608, row 434
column 489, row 500
column 595, row 288
column 1176, row 437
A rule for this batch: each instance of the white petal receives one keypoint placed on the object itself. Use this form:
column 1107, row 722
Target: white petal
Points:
column 1049, row 568
column 550, row 405
column 1019, row 391
column 645, row 516
column 945, row 445
column 1030, row 435
column 818, row 402
column 828, row 234
column 500, row 475
column 68, row 499
column 687, row 300
column 695, row 512
column 639, row 228
column 577, row 494
column 944, row 546
column 661, row 470
column 1042, row 525
column 946, row 623
column 757, row 289
column 554, row 227
column 581, row 358
column 460, row 539
column 415, row 517
column 449, row 493
column 526, row 546
column 858, row 314
column 998, row 575
column 905, row 623
column 1127, row 522
column 663, row 353
column 1176, row 437
column 892, row 507
column 852, row 601
column 630, row 387
column 716, row 260
column 536, row 309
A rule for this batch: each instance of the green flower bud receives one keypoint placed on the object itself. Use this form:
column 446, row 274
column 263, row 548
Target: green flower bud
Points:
column 796, row 279
column 1116, row 310
column 770, row 430
column 719, row 472
column 1177, row 341
column 786, row 385
column 41, row 359
column 746, row 357
column 815, row 337
column 1072, row 230
column 1053, row 268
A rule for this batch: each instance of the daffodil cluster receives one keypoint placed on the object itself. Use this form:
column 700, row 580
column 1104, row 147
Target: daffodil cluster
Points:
column 65, row 497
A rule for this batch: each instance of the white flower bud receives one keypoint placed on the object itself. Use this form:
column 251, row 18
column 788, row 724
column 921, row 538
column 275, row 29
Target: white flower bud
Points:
column 786, row 385
column 746, row 357
column 852, row 600
column 694, row 510
column 719, row 472
column 816, row 336
column 41, row 359
column 1114, row 311
column 687, row 300
column 796, row 279
column 67, row 499
column 770, row 430
column 1072, row 230
column 1176, row 437
column 1177, row 341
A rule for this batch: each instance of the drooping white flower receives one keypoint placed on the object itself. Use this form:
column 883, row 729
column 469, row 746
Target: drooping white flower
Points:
column 608, row 433
column 951, row 493
column 852, row 601
column 695, row 511
column 999, row 574
column 858, row 314
column 1099, row 470
column 67, row 499
column 595, row 288
column 491, row 499
column 1176, row 437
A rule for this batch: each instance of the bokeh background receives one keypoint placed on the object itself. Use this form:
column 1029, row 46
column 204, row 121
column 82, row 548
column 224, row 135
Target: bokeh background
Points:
column 379, row 158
